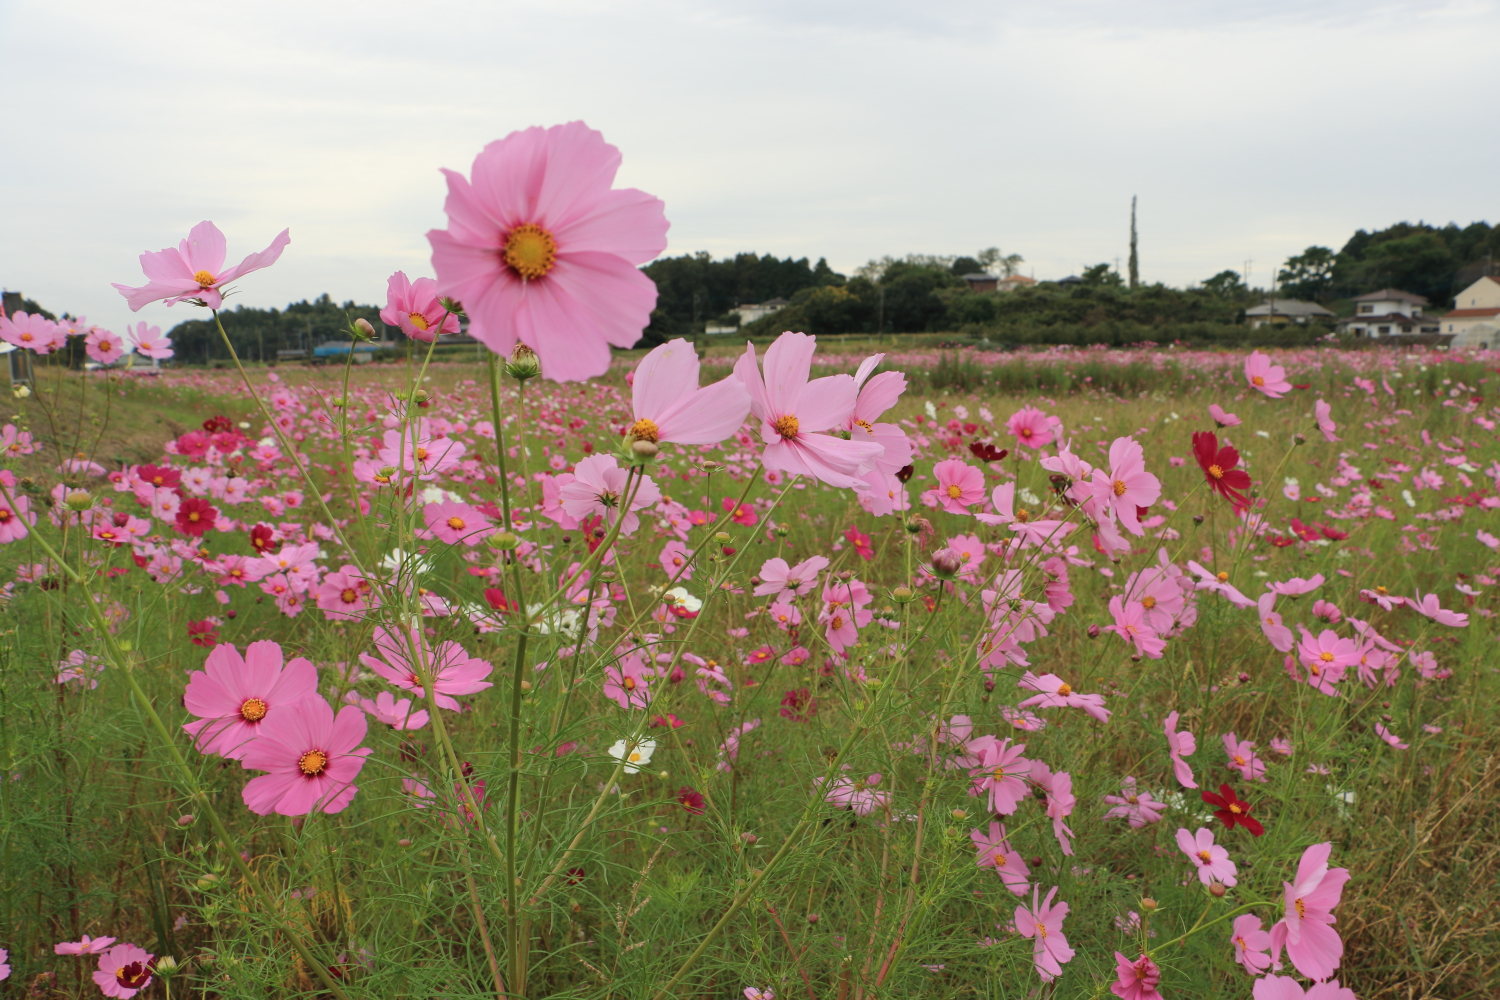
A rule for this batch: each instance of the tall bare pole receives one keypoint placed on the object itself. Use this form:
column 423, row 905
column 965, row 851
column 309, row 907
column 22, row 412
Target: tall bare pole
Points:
column 1135, row 260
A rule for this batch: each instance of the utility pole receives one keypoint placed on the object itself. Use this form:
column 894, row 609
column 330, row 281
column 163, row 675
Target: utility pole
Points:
column 1135, row 260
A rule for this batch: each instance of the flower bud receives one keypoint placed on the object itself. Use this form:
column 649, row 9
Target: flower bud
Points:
column 1093, row 631
column 504, row 541
column 452, row 305
column 403, row 842
column 208, row 881
column 959, row 814
column 525, row 686
column 1216, row 890
column 21, row 391
column 1148, row 904
column 902, row 595
column 946, row 564
column 337, row 402
column 644, row 449
column 783, row 530
column 1197, row 518
column 1298, row 439
column 363, row 330
column 722, row 538
column 812, row 918
column 165, row 967
column 420, row 396
column 712, row 467
column 79, row 500
column 186, row 819
column 523, row 364
column 748, row 838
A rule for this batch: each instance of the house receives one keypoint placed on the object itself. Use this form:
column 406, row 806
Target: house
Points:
column 981, row 282
column 1389, row 312
column 1279, row 311
column 751, row 312
column 1475, row 319
column 1014, row 282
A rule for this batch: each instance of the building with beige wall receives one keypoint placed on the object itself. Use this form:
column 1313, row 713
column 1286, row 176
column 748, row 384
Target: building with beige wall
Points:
column 1475, row 319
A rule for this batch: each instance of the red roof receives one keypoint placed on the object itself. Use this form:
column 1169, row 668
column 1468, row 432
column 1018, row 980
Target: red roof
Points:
column 1471, row 313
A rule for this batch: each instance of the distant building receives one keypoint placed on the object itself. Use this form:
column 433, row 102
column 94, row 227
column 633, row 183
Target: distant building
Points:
column 1070, row 280
column 1389, row 312
column 754, row 311
column 1279, row 311
column 981, row 282
column 1014, row 282
column 1475, row 320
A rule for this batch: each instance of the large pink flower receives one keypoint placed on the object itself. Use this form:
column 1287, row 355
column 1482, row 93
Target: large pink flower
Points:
column 313, row 758
column 959, row 485
column 32, row 331
column 1126, row 485
column 789, row 582
column 1287, row 988
column 1033, row 428
column 668, row 404
column 539, row 248
column 15, row 519
column 599, row 486
column 234, row 695
column 1135, row 980
column 1211, row 860
column 1251, row 944
column 1306, row 930
column 414, row 307
column 456, row 523
column 123, row 971
column 453, row 670
column 1043, row 924
column 795, row 413
column 1266, row 377
column 194, row 270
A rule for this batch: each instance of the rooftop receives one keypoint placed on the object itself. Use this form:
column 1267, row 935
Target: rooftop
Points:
column 1288, row 307
column 1391, row 295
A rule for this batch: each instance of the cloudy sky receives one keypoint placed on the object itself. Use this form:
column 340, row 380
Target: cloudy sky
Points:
column 1249, row 130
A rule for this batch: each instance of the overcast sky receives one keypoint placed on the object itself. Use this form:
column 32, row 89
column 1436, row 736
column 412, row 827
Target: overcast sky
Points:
column 1249, row 130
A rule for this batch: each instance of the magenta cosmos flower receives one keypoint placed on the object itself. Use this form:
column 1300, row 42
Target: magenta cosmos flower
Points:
column 1242, row 758
column 959, row 485
column 789, row 582
column 1306, row 930
column 1135, row 980
column 1211, row 860
column 195, row 270
column 1265, row 377
column 414, row 307
column 541, row 249
column 234, row 695
column 453, row 670
column 795, row 413
column 313, row 758
column 15, row 519
column 668, row 404
column 455, row 523
column 599, row 487
column 1033, row 428
column 123, row 971
column 1043, row 924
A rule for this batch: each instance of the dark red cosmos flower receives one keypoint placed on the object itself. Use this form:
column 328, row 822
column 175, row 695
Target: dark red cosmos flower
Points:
column 986, row 452
column 668, row 721
column 496, row 599
column 217, row 425
column 905, row 473
column 798, row 705
column 691, row 800
column 262, row 538
column 203, row 633
column 195, row 517
column 1218, row 465
column 1232, row 811
column 159, row 475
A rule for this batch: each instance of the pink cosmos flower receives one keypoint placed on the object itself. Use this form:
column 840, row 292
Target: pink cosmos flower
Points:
column 844, row 613
column 124, row 971
column 1135, row 980
column 1242, row 758
column 1323, row 413
column 1033, row 428
column 103, row 346
column 541, row 249
column 1219, row 584
column 1265, row 377
column 729, row 750
column 674, row 560
column 1287, row 988
column 1327, row 658
column 789, row 582
column 453, row 670
column 194, row 270
column 1327, row 611
column 1043, row 924
column 994, row 851
column 1126, row 485
column 396, row 714
column 1222, row 417
column 627, row 683
column 796, row 413
column 1390, row 737
column 88, row 946
column 1060, row 801
column 414, row 307
column 234, row 695
column 1211, row 860
column 344, row 594
column 959, row 485
column 454, row 523
column 1058, row 693
column 15, row 518
column 148, row 342
column 855, row 794
column 1296, row 586
column 313, row 758
column 1429, row 607
column 32, row 331
column 668, row 405
column 877, row 394
column 1001, row 774
column 420, row 451
column 1278, row 635
column 1136, row 807
column 1180, row 744
column 1130, row 624
column 1306, row 930
column 599, row 486
column 1251, row 944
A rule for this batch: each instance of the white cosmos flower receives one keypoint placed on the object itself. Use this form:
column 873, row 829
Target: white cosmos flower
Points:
column 547, row 621
column 681, row 597
column 634, row 759
column 436, row 494
column 399, row 561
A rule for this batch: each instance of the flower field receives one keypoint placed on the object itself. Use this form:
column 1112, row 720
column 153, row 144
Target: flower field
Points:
column 787, row 672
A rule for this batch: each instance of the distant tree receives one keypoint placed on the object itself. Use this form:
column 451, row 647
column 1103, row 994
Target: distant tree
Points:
column 966, row 265
column 1102, row 276
column 1006, row 265
column 693, row 288
column 1309, row 275
column 14, row 302
column 1226, row 284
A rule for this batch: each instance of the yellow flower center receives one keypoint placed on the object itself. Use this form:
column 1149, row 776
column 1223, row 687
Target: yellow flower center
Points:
column 1223, row 577
column 313, row 763
column 1381, row 591
column 106, row 345
column 456, row 523
column 646, row 430
column 253, row 710
column 1239, row 761
column 1148, row 602
column 1216, row 471
column 1257, row 380
column 530, row 251
column 1023, row 515
column 421, row 454
column 787, row 426
column 628, row 683
column 635, row 756
column 1041, row 928
column 865, row 424
column 1234, row 808
column 998, row 774
column 837, row 622
column 1301, row 908
column 205, row 279
column 1326, row 656
column 1065, row 689
column 1120, row 487
column 955, row 491
column 349, row 595
column 418, row 320
column 1205, row 856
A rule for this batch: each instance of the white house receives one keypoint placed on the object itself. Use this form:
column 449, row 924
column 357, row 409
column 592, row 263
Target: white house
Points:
column 753, row 311
column 1475, row 319
column 1279, row 311
column 1389, row 312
